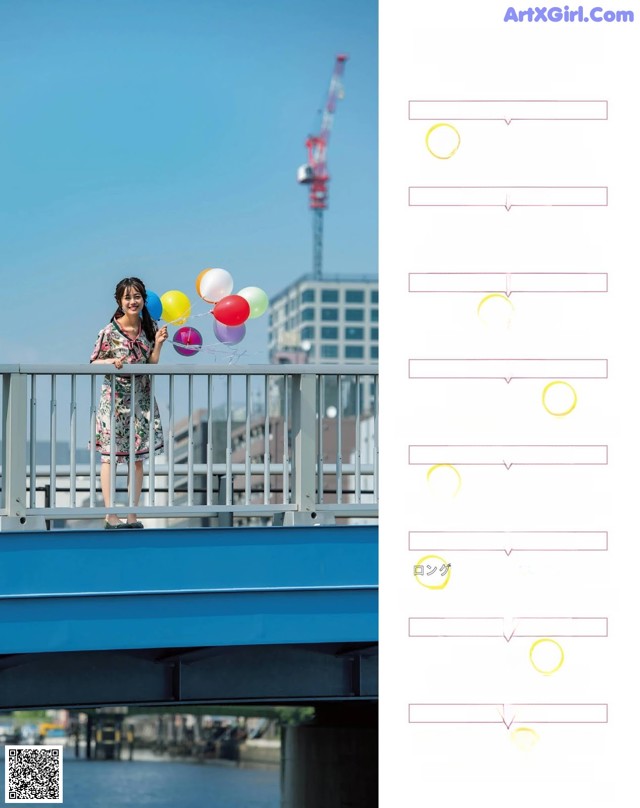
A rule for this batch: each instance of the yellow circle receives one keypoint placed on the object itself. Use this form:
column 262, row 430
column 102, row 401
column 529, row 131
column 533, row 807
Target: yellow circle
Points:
column 432, row 586
column 563, row 412
column 455, row 148
column 446, row 466
column 525, row 738
column 549, row 671
column 494, row 296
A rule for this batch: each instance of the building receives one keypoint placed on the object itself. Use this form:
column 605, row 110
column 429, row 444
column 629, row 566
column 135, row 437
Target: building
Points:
column 275, row 447
column 329, row 320
column 199, row 439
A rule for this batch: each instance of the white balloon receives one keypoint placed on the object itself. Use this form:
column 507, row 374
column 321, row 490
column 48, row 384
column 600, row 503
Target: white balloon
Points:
column 215, row 284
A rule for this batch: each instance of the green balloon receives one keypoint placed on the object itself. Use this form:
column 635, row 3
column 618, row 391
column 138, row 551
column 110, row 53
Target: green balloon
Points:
column 257, row 300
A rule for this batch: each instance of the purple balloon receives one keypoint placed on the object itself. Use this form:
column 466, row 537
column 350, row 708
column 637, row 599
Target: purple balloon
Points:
column 187, row 341
column 228, row 334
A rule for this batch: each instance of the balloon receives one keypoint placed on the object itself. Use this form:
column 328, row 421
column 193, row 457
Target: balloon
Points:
column 176, row 307
column 187, row 337
column 154, row 305
column 214, row 285
column 231, row 310
column 257, row 300
column 229, row 334
column 199, row 278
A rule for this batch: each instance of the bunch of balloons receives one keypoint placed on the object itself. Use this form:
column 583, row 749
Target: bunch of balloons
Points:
column 230, row 311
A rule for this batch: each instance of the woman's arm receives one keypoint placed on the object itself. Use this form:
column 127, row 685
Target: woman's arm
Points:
column 161, row 336
column 117, row 362
column 102, row 353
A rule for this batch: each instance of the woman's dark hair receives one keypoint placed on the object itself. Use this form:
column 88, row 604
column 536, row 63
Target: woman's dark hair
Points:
column 148, row 325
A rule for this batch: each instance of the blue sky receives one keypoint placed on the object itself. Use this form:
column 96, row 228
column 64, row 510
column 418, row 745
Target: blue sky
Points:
column 159, row 137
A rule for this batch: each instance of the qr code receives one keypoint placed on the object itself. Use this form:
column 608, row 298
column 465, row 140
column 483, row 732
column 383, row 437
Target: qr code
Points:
column 33, row 774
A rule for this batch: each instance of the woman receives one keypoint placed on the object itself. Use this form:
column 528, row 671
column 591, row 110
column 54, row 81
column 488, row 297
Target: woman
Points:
column 131, row 337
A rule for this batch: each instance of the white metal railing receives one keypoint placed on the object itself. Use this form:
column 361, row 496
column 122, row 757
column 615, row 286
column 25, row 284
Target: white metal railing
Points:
column 294, row 441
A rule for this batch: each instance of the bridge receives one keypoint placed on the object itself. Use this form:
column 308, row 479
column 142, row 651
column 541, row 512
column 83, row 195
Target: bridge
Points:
column 255, row 579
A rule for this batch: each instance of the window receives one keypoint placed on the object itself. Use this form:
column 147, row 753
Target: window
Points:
column 329, row 315
column 329, row 332
column 373, row 352
column 308, row 295
column 374, row 333
column 374, row 295
column 354, row 296
column 329, row 295
column 307, row 314
column 354, row 315
column 352, row 332
column 329, row 351
column 374, row 315
column 308, row 332
column 353, row 352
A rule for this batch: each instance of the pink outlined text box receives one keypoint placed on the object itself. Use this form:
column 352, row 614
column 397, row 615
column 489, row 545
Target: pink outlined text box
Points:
column 508, row 282
column 587, row 627
column 508, row 369
column 508, row 714
column 528, row 541
column 507, row 455
column 505, row 110
column 508, row 196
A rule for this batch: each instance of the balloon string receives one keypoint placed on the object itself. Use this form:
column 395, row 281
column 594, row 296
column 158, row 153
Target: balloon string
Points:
column 181, row 320
column 233, row 356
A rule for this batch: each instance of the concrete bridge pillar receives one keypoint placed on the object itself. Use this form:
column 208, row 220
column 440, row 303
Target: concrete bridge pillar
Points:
column 332, row 762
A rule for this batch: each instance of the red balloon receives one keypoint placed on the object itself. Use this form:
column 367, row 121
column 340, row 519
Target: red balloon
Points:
column 231, row 310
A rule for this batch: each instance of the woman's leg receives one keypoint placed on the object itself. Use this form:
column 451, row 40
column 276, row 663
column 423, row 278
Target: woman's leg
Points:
column 105, row 483
column 137, row 482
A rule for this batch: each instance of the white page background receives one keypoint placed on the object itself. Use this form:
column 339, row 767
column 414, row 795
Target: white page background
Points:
column 464, row 50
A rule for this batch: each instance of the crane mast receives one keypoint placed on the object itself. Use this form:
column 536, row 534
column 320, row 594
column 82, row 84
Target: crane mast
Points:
column 314, row 173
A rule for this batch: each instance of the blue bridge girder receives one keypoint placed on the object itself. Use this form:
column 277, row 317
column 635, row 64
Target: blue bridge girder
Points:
column 201, row 615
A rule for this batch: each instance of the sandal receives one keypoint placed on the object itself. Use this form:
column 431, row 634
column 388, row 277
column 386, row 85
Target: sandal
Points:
column 109, row 526
column 133, row 525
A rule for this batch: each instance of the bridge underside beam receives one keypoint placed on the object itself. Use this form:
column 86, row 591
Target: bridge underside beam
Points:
column 261, row 674
column 123, row 589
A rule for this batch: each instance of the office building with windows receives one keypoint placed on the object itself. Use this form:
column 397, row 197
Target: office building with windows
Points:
column 329, row 320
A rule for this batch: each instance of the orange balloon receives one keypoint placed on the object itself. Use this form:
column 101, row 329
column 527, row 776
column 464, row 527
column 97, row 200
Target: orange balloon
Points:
column 199, row 278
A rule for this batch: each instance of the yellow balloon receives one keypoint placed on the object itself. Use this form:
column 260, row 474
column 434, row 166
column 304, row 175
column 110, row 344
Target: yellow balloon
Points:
column 176, row 307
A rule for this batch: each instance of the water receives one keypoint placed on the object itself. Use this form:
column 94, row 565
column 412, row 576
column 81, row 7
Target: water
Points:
column 164, row 784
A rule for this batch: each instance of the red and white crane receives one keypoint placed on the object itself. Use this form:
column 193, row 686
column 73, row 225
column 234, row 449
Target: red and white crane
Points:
column 314, row 173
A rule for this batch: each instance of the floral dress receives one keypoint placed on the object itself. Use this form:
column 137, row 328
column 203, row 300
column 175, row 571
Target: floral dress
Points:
column 113, row 343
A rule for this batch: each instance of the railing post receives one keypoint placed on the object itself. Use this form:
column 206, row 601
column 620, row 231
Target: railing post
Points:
column 14, row 451
column 225, row 518
column 304, row 435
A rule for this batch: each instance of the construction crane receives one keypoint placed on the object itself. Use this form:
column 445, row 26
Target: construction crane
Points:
column 314, row 172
